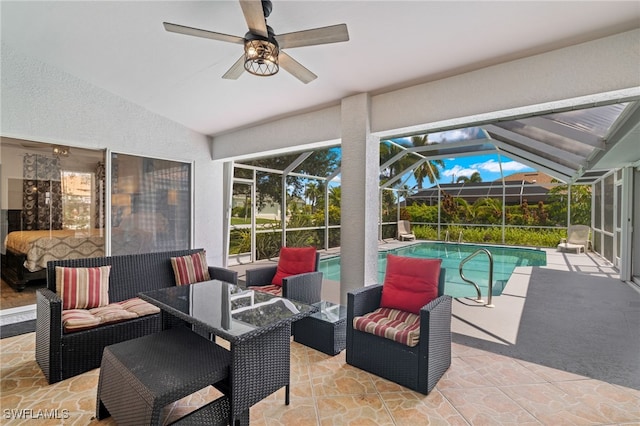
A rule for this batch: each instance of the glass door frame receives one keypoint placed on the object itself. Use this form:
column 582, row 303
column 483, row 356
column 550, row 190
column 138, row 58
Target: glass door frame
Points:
column 252, row 226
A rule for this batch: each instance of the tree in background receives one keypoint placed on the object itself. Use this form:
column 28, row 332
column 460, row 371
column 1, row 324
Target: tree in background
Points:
column 269, row 185
column 429, row 170
column 580, row 205
column 474, row 178
column 313, row 192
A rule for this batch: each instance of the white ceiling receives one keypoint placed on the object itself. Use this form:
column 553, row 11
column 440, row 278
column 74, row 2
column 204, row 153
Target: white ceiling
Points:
column 123, row 48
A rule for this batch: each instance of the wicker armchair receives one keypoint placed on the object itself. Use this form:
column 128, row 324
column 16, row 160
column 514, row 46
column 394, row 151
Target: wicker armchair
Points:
column 418, row 368
column 305, row 287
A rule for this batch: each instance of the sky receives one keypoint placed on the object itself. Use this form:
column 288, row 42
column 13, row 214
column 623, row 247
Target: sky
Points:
column 487, row 165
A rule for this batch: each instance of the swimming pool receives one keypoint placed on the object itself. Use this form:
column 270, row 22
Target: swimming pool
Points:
column 505, row 260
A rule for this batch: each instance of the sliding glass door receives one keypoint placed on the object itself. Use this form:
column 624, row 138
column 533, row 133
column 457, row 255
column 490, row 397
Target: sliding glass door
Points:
column 150, row 204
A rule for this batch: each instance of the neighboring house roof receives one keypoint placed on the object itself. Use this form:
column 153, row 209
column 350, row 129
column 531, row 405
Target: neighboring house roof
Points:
column 517, row 188
column 540, row 178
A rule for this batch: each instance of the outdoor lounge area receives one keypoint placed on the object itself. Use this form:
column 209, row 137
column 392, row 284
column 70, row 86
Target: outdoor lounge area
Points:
column 254, row 130
column 543, row 355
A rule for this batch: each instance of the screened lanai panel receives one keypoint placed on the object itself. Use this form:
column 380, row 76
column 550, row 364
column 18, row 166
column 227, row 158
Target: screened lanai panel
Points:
column 595, row 121
column 320, row 163
column 440, row 151
column 562, row 142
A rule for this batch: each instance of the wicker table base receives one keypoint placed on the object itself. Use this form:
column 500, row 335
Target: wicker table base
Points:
column 139, row 377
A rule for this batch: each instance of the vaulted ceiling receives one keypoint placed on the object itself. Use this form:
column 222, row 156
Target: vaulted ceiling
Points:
column 122, row 47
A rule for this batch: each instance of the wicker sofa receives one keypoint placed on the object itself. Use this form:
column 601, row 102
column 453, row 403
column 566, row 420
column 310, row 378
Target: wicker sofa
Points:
column 62, row 355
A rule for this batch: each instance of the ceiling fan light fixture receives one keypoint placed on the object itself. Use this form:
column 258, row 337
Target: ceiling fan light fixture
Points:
column 60, row 151
column 261, row 55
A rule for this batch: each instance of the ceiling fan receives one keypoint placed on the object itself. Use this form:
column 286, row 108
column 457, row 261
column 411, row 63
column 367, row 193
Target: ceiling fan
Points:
column 263, row 53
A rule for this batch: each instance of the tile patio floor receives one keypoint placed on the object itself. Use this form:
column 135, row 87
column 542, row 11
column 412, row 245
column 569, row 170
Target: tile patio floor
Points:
column 480, row 388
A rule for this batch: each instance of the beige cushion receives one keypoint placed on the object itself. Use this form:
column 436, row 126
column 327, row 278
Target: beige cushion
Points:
column 83, row 319
column 112, row 313
column 78, row 319
column 139, row 307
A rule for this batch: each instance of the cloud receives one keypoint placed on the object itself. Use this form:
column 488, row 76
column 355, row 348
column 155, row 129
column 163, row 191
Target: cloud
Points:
column 457, row 135
column 457, row 171
column 493, row 166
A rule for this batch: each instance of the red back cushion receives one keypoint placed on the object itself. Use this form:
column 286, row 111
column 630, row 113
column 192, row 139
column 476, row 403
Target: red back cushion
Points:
column 410, row 283
column 191, row 268
column 83, row 288
column 293, row 261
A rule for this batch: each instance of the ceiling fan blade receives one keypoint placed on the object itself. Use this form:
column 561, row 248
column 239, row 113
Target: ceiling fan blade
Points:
column 295, row 68
column 324, row 35
column 236, row 70
column 254, row 15
column 181, row 29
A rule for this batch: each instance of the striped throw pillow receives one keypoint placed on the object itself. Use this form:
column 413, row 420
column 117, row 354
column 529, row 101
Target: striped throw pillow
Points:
column 190, row 269
column 83, row 288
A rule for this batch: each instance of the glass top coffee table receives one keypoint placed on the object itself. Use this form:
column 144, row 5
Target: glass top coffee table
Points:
column 257, row 325
column 324, row 330
column 227, row 310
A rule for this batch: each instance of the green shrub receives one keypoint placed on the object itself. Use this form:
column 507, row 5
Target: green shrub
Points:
column 422, row 213
column 528, row 237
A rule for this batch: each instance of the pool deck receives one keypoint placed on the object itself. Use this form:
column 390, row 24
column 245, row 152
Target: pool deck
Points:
column 576, row 305
column 560, row 348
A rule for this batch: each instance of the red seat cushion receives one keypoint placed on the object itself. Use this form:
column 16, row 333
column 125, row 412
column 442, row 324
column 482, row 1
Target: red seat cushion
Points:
column 294, row 261
column 400, row 326
column 410, row 283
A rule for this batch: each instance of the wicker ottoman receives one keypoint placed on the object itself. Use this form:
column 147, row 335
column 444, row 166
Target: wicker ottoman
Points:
column 324, row 330
column 216, row 413
column 139, row 377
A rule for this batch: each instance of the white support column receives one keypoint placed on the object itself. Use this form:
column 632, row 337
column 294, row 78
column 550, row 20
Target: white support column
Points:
column 359, row 198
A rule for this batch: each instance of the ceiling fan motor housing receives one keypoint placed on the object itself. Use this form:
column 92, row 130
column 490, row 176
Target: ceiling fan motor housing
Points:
column 267, row 7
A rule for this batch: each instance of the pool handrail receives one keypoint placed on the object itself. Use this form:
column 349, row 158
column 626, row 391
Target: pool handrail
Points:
column 490, row 292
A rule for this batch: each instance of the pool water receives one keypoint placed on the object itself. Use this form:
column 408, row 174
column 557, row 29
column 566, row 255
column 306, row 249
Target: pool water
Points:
column 505, row 260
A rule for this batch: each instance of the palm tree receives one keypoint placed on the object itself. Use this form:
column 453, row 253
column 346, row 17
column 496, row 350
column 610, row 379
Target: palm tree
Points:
column 312, row 192
column 335, row 193
column 488, row 210
column 474, row 178
column 429, row 169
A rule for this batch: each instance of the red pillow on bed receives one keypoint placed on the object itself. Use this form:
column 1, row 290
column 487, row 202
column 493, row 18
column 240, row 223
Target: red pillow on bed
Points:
column 410, row 283
column 294, row 261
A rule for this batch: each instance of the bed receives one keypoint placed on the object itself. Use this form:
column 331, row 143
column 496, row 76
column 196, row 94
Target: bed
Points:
column 27, row 252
